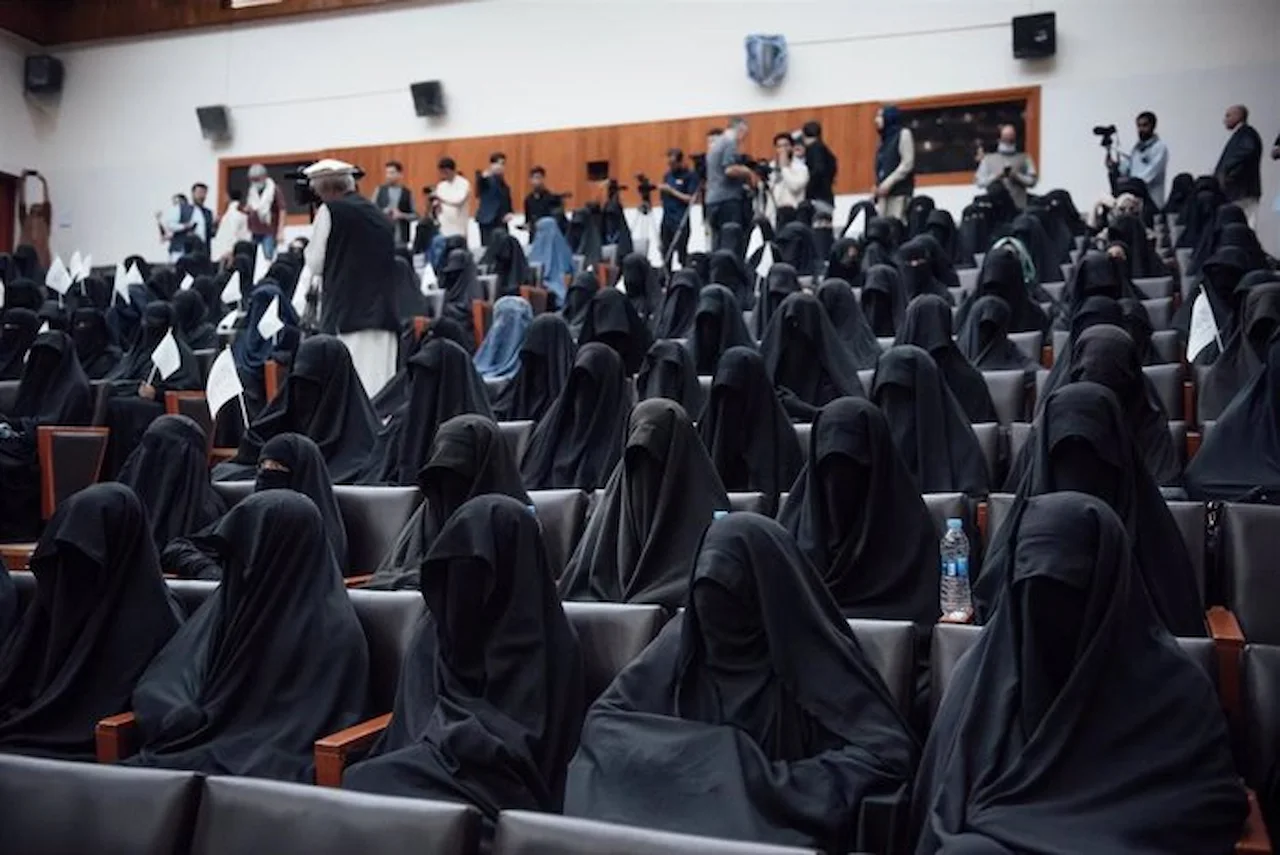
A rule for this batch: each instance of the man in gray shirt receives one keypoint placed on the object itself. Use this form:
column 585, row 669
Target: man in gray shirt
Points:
column 726, row 179
column 1011, row 167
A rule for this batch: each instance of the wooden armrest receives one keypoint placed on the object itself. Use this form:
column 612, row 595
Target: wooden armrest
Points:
column 981, row 516
column 332, row 751
column 1046, row 355
column 1228, row 645
column 480, row 310
column 1254, row 839
column 1194, row 438
column 358, row 581
column 1189, row 401
column 17, row 556
column 221, row 455
column 115, row 737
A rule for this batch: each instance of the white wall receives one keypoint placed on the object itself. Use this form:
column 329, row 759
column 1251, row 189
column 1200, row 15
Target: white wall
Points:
column 125, row 137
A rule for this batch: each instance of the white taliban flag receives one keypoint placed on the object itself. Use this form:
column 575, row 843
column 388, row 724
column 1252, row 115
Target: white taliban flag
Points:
column 86, row 267
column 429, row 280
column 1204, row 329
column 187, row 282
column 76, row 266
column 755, row 241
column 133, row 276
column 58, row 278
column 223, row 384
column 766, row 262
column 166, row 357
column 231, row 293
column 260, row 266
column 121, row 283
column 270, row 324
column 44, row 328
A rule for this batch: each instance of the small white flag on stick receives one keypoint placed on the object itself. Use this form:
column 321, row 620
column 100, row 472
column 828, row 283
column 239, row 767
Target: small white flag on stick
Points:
column 86, row 267
column 223, row 384
column 766, row 262
column 76, row 267
column 166, row 357
column 260, row 266
column 429, row 280
column 58, row 278
column 270, row 324
column 301, row 290
column 121, row 283
column 186, row 283
column 133, row 276
column 1, row 293
column 1204, row 329
column 44, row 328
column 231, row 293
column 755, row 242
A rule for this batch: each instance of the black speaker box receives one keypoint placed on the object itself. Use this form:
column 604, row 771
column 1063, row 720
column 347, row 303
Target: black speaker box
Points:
column 42, row 75
column 215, row 122
column 428, row 98
column 1035, row 36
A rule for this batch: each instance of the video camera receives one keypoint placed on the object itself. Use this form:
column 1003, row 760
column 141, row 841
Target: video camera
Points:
column 763, row 168
column 1107, row 133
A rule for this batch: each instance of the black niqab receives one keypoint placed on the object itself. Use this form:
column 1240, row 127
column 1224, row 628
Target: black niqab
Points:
column 577, row 301
column 136, row 365
column 54, row 389
column 1244, row 354
column 668, row 372
column 98, row 355
column 845, row 313
column 461, row 287
column 928, row 326
column 546, row 358
column 640, row 284
column 612, row 319
column 884, row 300
column 506, row 259
column 795, row 247
column 679, row 306
column 18, row 331
column 844, row 262
column 169, row 472
column 781, row 283
column 806, row 362
column 718, row 325
column 1002, row 277
column 190, row 314
column 916, row 262
column 985, row 338
column 725, row 267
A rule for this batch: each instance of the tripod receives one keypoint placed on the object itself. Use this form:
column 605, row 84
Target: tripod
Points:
column 683, row 227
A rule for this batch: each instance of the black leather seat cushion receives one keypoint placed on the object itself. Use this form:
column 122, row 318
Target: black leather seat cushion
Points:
column 1250, row 543
column 528, row 833
column 1260, row 700
column 751, row 502
column 563, row 514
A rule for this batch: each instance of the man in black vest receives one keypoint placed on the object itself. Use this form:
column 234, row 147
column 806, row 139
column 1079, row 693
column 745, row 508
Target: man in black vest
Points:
column 895, row 164
column 1239, row 169
column 199, row 195
column 395, row 200
column 353, row 250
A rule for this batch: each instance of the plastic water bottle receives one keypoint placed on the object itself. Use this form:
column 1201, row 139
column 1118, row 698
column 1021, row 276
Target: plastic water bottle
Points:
column 957, row 603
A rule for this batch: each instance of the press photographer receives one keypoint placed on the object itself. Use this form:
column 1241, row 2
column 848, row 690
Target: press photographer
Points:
column 727, row 180
column 1147, row 161
column 679, row 186
column 788, row 179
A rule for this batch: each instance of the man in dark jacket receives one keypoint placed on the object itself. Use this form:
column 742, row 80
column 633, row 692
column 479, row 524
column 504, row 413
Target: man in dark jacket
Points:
column 1239, row 169
column 822, row 165
column 495, row 198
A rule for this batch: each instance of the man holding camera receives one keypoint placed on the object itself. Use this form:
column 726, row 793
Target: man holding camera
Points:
column 1012, row 168
column 788, row 179
column 678, row 188
column 1147, row 161
column 727, row 180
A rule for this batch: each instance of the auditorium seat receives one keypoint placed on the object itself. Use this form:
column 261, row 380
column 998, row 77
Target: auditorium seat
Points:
column 988, row 435
column 70, row 459
column 389, row 620
column 1155, row 287
column 1250, row 541
column 204, row 361
column 611, row 635
column 493, row 386
column 885, row 343
column 968, row 278
column 563, row 515
column 8, row 394
column 517, row 435
column 749, row 502
column 865, row 376
column 1166, row 345
column 890, row 648
column 1030, row 343
column 945, row 506
column 1167, row 382
column 243, row 815
column 194, row 406
column 1008, row 391
column 704, row 382
column 530, row 833
column 1160, row 311
column 1259, row 730
column 55, row 807
column 1055, row 289
column 803, row 432
column 191, row 593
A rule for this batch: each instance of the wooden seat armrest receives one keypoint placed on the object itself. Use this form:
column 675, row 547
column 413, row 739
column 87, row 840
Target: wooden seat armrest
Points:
column 981, row 516
column 221, row 455
column 966, row 618
column 332, row 751
column 17, row 556
column 1228, row 645
column 1046, row 355
column 1194, row 438
column 1189, row 401
column 358, row 581
column 115, row 737
column 1254, row 839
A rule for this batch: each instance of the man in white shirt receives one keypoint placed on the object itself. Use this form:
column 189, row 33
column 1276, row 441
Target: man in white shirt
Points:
column 788, row 180
column 266, row 209
column 454, row 193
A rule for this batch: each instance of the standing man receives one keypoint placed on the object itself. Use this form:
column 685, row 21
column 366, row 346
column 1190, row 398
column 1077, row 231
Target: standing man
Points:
column 454, row 194
column 727, row 180
column 822, row 165
column 1239, row 169
column 1009, row 166
column 540, row 202
column 395, row 200
column 199, row 195
column 788, row 179
column 895, row 164
column 353, row 249
column 181, row 227
column 265, row 209
column 1147, row 161
column 495, row 209
column 678, row 188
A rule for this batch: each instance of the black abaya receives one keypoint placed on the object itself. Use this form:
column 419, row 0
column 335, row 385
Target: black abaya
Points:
column 98, row 355
column 845, row 312
column 806, row 362
column 1002, row 276
column 613, row 320
column 679, row 306
column 18, row 331
column 916, row 261
column 884, row 300
column 726, row 268
column 985, row 339
column 461, row 287
column 169, row 472
column 640, row 284
column 577, row 301
column 1244, row 354
column 189, row 315
column 755, row 715
column 718, row 326
column 781, row 283
column 796, row 248
column 546, row 357
column 668, row 372
column 928, row 326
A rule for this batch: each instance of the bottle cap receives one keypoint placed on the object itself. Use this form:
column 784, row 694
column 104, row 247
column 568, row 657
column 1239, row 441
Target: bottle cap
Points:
column 954, row 523
column 719, row 515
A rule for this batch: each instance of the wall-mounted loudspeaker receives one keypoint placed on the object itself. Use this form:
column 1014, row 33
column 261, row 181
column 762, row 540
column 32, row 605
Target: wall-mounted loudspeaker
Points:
column 215, row 122
column 42, row 75
column 1035, row 36
column 428, row 98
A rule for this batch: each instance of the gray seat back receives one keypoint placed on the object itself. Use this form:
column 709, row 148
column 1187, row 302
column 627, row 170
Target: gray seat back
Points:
column 1160, row 311
column 802, row 436
column 563, row 514
column 1155, row 287
column 1167, row 381
column 1250, row 538
column 389, row 620
column 1019, row 433
column 1009, row 394
column 191, row 593
column 1260, row 703
column 890, row 648
column 373, row 517
column 8, row 394
column 750, row 502
column 988, row 435
column 865, row 376
column 1165, row 344
column 517, row 436
column 529, row 833
column 945, row 506
column 1030, row 343
column 611, row 635
column 1190, row 517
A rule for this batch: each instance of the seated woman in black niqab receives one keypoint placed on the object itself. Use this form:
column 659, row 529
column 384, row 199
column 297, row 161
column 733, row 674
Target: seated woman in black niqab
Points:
column 985, row 340
column 97, row 353
column 101, row 611
column 1028, row 231
column 54, row 316
column 53, row 391
column 1143, row 262
column 941, row 226
column 781, row 283
column 18, row 331
column 169, row 472
column 1097, row 275
column 747, row 432
column 845, row 262
column 612, row 319
column 289, row 461
column 491, row 696
column 1226, row 278
column 1003, row 276
column 1214, row 238
column 461, row 286
column 883, row 299
column 807, row 364
column 505, row 258
column 929, row 426
column 1104, row 735
column 322, row 399
column 732, row 237
column 795, row 247
column 190, row 310
column 578, row 300
column 1082, row 443
column 726, row 268
column 468, row 458
column 443, row 383
column 395, row 392
column 661, row 497
column 1244, row 353
column 755, row 715
column 668, row 372
column 679, row 306
column 915, row 260
column 546, row 357
column 640, row 284
column 274, row 659
column 879, row 243
column 578, row 441
column 718, row 325
column 851, row 325
column 138, row 390
column 928, row 326
column 944, row 269
column 1136, row 321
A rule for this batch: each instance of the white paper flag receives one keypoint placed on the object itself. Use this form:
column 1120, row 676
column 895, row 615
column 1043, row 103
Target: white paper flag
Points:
column 697, row 237
column 766, row 262
column 86, row 267
column 270, row 324
column 260, row 266
column 186, row 283
column 755, row 241
column 675, row 264
column 76, row 267
column 121, row 283
column 44, row 328
column 227, row 325
column 231, row 293
column 301, row 290
column 58, row 278
column 429, row 280
column 1204, row 329
column 133, row 276
column 166, row 357
column 223, row 384
column 1, row 292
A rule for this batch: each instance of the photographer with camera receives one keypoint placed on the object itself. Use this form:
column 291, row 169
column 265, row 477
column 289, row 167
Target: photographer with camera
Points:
column 1012, row 168
column 1147, row 161
column 727, row 180
column 679, row 186
column 788, row 179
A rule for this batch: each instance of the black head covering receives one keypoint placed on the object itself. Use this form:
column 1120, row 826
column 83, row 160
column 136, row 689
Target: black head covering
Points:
column 915, row 260
column 612, row 319
column 304, row 472
column 505, row 257
column 679, row 306
column 724, row 267
column 461, row 286
column 54, row 315
column 795, row 247
column 929, row 426
column 941, row 226
column 1103, row 736
column 733, row 238
column 718, row 326
column 668, row 372
column 985, row 338
column 1212, row 239
column 781, row 283
column 210, row 291
column 1200, row 211
column 100, row 613
column 879, row 242
column 1180, row 189
column 23, row 294
column 96, row 293
column 1002, row 277
column 726, row 723
column 1028, row 231
column 1143, row 260
column 272, row 661
column 191, row 317
column 491, row 697
column 1092, row 312
column 845, row 313
column 546, row 357
column 928, row 326
column 124, row 318
column 1245, row 353
column 18, row 331
column 26, row 262
column 578, row 441
column 857, row 514
column 1240, row 459
column 1136, row 321
column 944, row 269
column 98, row 355
column 443, row 383
column 640, row 283
column 746, row 430
column 54, row 389
column 806, row 362
column 1097, row 275
column 844, row 262
column 577, row 300
column 136, row 365
column 661, row 497
column 1221, row 283
column 169, row 472
column 322, row 399
column 1081, row 443
column 469, row 458
column 884, row 299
